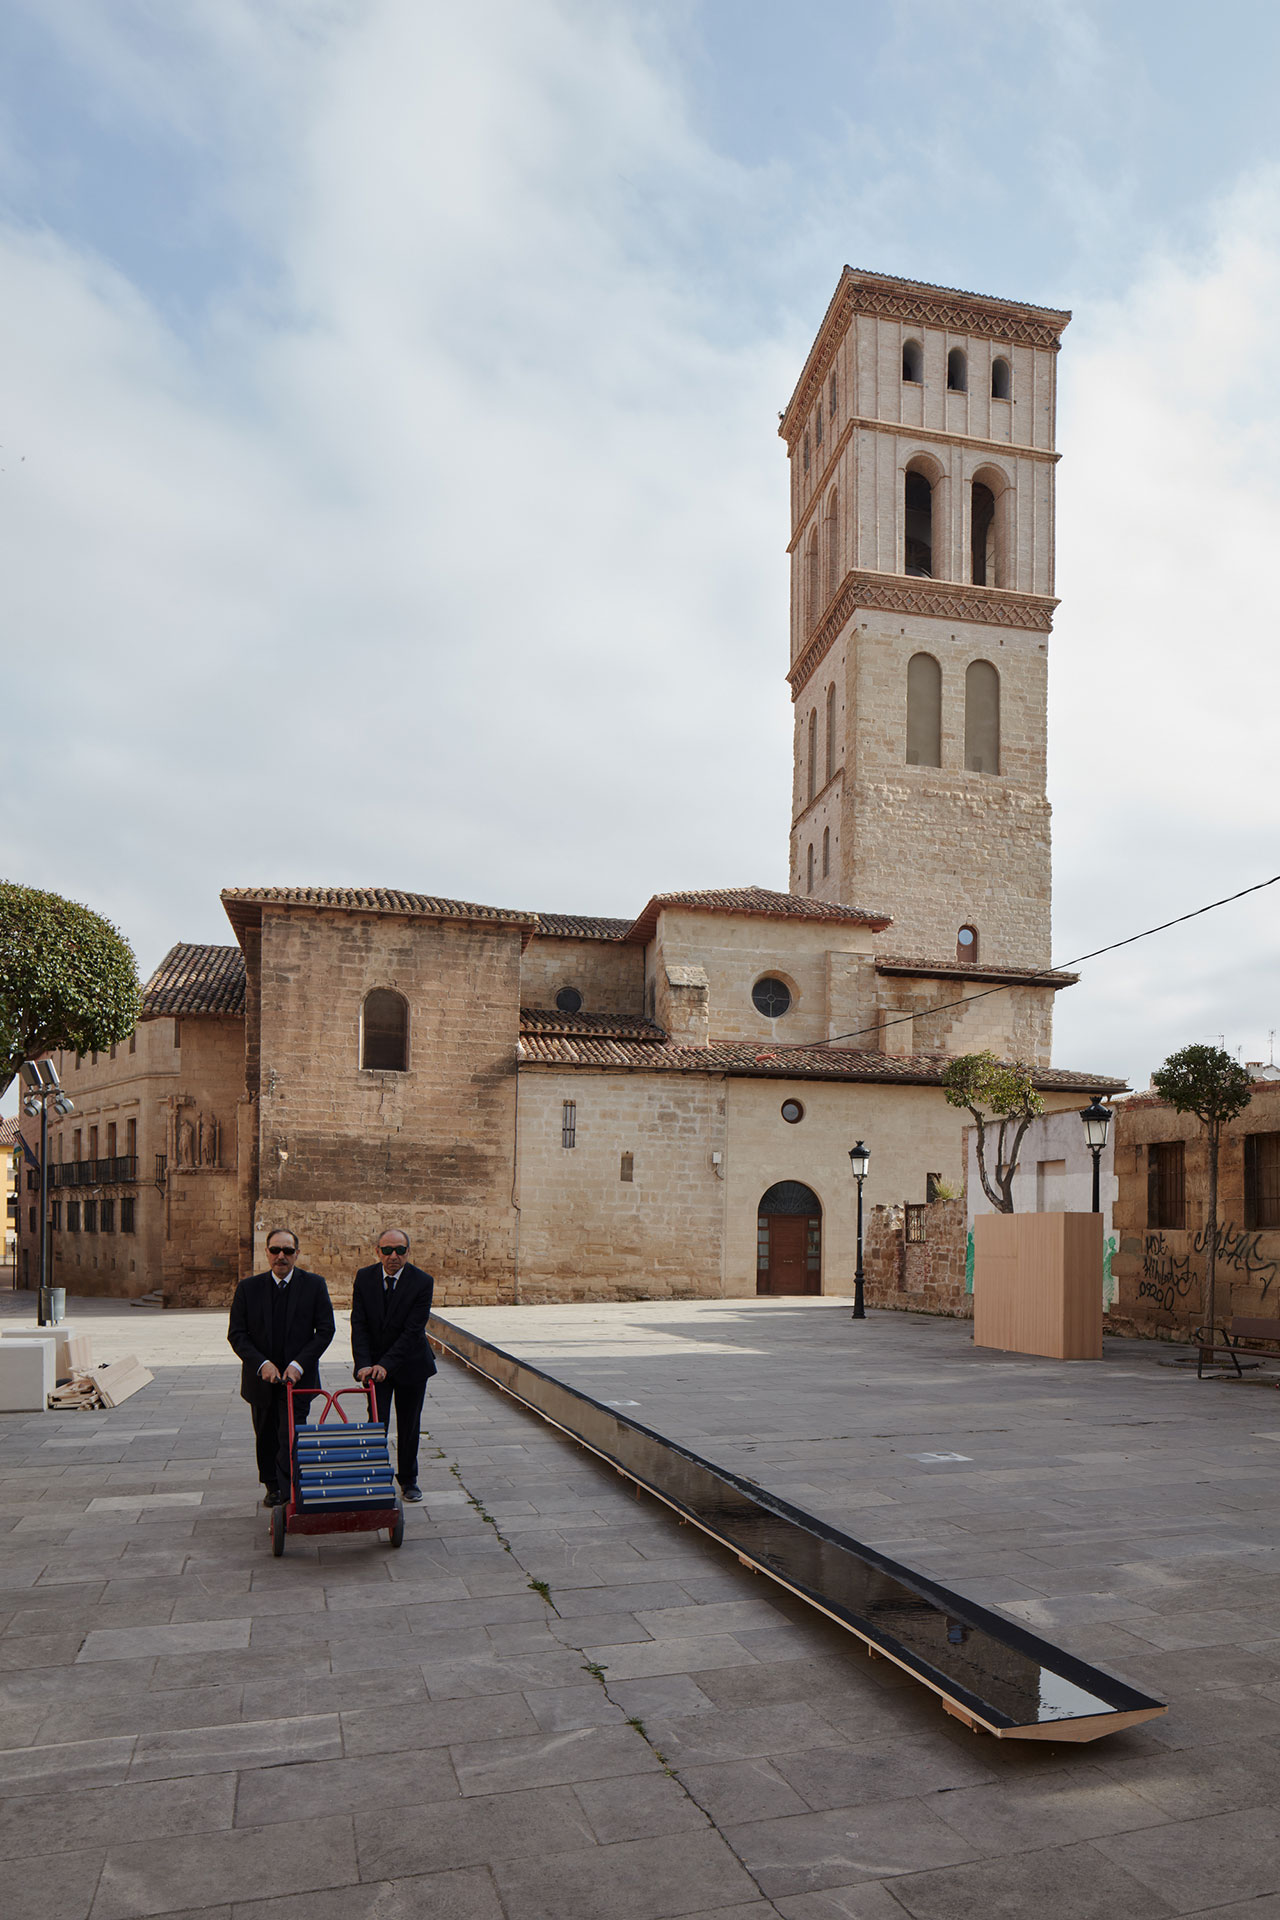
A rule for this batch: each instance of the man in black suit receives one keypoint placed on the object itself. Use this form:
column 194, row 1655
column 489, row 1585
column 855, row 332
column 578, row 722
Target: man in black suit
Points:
column 390, row 1303
column 281, row 1322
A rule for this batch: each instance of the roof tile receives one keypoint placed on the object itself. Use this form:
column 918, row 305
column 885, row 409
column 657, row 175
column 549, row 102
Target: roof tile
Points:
column 194, row 978
column 760, row 901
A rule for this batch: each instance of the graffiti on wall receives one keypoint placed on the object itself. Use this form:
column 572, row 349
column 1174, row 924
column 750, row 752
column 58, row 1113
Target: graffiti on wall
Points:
column 1168, row 1275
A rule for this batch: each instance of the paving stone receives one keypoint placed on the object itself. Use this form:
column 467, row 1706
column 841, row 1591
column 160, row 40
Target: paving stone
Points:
column 742, row 1734
column 64, row 1766
column 635, row 1662
column 551, row 1759
column 57, row 1888
column 887, row 1770
column 559, row 1709
column 1069, row 1883
column 248, row 1743
column 637, row 1807
column 67, row 1820
column 269, row 1795
column 242, row 1864
column 469, row 1832
column 681, row 1873
column 741, row 1790
column 870, row 1901
column 1203, row 1863
column 812, row 1850
column 135, row 1643
column 468, row 1894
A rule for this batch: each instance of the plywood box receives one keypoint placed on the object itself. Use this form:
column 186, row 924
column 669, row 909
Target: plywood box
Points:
column 1037, row 1284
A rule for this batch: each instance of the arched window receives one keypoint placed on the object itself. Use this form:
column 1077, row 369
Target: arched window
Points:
column 833, row 543
column 384, row 1031
column 831, row 732
column 918, row 546
column 812, row 577
column 982, row 717
column 924, row 711
column 982, row 527
column 813, row 753
column 957, row 371
column 817, row 425
column 967, row 943
column 826, row 851
column 912, row 362
column 999, row 379
column 809, row 882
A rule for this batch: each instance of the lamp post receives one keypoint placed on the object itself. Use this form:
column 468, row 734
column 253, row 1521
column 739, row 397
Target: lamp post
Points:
column 1097, row 1124
column 40, row 1077
column 859, row 1161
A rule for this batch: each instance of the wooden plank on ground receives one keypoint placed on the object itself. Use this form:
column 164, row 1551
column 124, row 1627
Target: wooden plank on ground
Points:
column 121, row 1379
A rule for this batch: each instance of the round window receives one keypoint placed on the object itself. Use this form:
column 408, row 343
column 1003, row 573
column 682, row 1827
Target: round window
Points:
column 569, row 1000
column 771, row 998
column 792, row 1111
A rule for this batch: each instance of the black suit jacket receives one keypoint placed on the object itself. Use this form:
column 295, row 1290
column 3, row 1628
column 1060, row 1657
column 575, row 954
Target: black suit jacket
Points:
column 308, row 1329
column 392, row 1333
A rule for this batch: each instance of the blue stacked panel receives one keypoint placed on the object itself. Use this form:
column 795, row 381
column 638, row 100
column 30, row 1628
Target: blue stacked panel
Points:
column 343, row 1467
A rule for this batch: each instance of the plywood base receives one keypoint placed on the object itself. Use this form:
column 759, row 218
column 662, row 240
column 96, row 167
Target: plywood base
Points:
column 1037, row 1284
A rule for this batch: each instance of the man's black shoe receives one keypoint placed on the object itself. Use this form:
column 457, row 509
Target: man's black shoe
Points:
column 271, row 1498
column 412, row 1494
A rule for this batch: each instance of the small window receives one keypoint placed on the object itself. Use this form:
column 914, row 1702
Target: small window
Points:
column 809, row 862
column 107, row 1216
column 133, row 1043
column 384, row 1043
column 1261, row 1182
column 55, row 1214
column 111, row 1139
column 967, row 943
column 917, row 548
column 812, row 780
column 999, row 379
column 771, row 997
column 914, row 1222
column 1166, row 1187
column 806, row 453
column 177, row 1033
column 912, row 362
column 73, row 1216
column 112, row 1054
column 981, row 717
column 932, row 1181
column 126, row 1216
column 924, row 711
column 831, row 732
column 831, row 395
column 569, row 1000
column 31, row 1219
column 131, row 1137
column 982, row 537
column 957, row 371
column 91, row 1216
column 569, row 1124
column 792, row 1112
column 826, row 852
column 817, row 426
column 627, row 1169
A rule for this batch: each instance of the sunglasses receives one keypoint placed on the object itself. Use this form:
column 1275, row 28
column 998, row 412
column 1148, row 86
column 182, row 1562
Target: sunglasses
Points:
column 287, row 1253
column 401, row 1253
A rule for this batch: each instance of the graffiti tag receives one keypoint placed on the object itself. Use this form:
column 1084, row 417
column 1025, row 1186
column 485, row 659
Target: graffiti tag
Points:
column 1169, row 1276
column 1240, row 1253
column 1166, row 1275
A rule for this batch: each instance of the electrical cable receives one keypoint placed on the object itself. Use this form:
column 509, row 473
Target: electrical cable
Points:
column 1029, row 979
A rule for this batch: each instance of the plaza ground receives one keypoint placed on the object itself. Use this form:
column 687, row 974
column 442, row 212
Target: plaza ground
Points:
column 556, row 1703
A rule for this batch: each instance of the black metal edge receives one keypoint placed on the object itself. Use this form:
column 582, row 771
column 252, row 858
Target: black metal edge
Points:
column 1118, row 1694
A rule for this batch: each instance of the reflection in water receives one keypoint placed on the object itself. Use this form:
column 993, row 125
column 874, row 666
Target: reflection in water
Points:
column 988, row 1664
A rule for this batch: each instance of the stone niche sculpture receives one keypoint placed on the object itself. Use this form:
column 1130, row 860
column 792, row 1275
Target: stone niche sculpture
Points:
column 197, row 1138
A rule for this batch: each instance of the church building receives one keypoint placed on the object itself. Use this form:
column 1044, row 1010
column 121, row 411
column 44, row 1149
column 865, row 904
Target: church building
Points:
column 557, row 1106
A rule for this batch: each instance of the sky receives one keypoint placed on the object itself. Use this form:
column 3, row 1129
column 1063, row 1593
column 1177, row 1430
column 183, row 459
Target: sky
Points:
column 390, row 491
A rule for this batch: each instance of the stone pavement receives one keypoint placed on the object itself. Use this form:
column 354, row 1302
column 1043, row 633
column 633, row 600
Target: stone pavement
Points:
column 555, row 1703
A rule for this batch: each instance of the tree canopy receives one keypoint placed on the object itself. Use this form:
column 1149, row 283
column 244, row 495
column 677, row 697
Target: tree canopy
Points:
column 67, row 978
column 1204, row 1081
column 1001, row 1092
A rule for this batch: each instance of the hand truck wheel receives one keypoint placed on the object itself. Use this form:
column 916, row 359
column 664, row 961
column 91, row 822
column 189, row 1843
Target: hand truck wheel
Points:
column 278, row 1517
column 396, row 1534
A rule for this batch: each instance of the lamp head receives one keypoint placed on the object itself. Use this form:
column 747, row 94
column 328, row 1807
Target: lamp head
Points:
column 859, row 1160
column 1097, row 1124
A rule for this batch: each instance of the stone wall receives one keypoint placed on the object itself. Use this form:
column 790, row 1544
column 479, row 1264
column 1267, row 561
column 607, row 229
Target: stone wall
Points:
column 1159, row 1273
column 609, row 974
column 345, row 1151
column 919, row 1277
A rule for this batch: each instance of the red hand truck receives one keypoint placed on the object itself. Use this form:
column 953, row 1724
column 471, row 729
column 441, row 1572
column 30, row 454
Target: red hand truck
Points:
column 340, row 1478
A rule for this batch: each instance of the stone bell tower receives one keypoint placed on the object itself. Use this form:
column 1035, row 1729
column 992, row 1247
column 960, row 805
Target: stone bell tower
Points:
column 921, row 442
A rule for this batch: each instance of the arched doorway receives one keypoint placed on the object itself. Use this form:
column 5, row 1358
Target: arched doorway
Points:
column 789, row 1240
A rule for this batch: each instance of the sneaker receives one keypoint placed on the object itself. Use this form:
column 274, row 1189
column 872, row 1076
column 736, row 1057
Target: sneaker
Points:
column 411, row 1494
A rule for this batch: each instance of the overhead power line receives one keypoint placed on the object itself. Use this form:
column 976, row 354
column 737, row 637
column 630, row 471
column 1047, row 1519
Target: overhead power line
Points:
column 1031, row 976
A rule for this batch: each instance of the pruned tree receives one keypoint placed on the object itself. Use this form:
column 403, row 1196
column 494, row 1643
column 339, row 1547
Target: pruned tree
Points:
column 1207, row 1082
column 1000, row 1096
column 67, row 979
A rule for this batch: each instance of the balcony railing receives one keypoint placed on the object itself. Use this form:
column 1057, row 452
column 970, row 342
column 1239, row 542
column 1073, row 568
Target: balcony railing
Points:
column 122, row 1170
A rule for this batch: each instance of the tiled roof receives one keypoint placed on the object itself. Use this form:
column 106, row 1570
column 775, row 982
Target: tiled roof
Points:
column 193, row 978
column 616, row 1026
column 745, row 1058
column 244, row 904
column 579, row 926
column 9, row 1133
column 761, row 901
column 967, row 970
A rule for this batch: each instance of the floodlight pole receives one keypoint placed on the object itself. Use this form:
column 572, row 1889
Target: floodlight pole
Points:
column 43, row 1294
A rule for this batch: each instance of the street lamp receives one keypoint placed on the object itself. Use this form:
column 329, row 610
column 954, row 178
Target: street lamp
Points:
column 1097, row 1124
column 40, row 1077
column 859, row 1161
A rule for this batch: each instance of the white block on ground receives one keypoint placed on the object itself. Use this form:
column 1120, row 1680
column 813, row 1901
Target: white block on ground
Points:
column 26, row 1375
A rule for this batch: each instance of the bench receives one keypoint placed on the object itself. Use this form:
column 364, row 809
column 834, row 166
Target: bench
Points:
column 1262, row 1335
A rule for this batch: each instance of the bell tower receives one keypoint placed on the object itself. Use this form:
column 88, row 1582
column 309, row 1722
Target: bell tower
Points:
column 921, row 444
